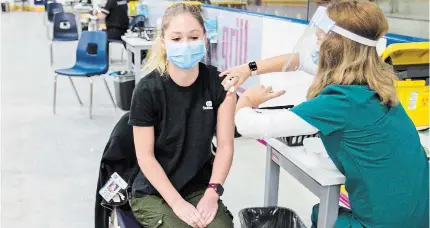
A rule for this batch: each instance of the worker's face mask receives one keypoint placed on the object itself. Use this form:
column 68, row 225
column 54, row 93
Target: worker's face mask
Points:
column 320, row 38
column 307, row 49
column 185, row 55
column 315, row 56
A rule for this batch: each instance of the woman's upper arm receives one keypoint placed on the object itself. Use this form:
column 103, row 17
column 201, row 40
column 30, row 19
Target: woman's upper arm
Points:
column 225, row 121
column 143, row 141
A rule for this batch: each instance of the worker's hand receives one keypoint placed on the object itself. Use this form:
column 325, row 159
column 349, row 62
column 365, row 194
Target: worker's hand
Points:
column 235, row 77
column 188, row 214
column 208, row 206
column 259, row 94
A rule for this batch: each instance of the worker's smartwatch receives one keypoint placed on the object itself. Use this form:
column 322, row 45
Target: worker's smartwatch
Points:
column 253, row 67
column 217, row 187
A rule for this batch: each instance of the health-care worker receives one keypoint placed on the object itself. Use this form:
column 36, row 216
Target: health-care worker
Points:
column 115, row 12
column 352, row 102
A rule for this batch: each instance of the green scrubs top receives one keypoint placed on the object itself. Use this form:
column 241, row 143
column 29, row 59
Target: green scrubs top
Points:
column 378, row 150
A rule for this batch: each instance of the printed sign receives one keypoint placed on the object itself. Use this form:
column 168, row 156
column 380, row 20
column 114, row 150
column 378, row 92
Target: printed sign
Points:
column 239, row 40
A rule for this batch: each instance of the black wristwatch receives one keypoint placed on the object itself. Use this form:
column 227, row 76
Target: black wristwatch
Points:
column 253, row 67
column 217, row 187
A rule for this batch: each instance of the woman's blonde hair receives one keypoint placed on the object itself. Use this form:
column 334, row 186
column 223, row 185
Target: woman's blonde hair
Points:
column 346, row 62
column 158, row 58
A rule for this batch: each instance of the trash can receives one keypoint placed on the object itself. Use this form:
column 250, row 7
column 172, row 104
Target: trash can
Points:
column 269, row 217
column 124, row 83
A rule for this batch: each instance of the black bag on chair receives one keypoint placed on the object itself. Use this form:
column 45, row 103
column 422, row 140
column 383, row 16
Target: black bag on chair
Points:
column 119, row 156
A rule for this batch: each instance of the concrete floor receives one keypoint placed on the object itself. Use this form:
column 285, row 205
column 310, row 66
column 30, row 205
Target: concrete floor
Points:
column 49, row 163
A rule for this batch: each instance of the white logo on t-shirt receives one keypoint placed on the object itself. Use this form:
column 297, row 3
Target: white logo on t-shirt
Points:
column 208, row 105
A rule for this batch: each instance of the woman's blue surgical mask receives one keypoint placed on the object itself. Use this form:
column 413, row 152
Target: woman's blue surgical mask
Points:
column 185, row 55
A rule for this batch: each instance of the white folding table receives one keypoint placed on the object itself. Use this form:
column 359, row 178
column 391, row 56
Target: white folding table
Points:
column 322, row 182
column 135, row 46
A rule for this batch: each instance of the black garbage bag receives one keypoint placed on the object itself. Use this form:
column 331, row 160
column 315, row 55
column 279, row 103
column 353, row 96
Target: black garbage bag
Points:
column 269, row 217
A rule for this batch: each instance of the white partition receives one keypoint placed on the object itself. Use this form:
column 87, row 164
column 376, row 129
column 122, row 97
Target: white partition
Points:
column 280, row 37
column 262, row 37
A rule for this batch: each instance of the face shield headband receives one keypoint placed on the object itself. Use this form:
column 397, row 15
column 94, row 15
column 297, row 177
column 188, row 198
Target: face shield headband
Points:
column 323, row 21
column 308, row 46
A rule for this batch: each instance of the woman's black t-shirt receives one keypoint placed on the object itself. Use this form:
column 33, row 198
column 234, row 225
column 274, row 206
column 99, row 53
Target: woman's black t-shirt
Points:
column 184, row 121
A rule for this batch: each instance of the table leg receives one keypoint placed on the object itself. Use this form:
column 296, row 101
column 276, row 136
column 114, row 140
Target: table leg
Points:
column 137, row 64
column 329, row 206
column 271, row 180
column 129, row 56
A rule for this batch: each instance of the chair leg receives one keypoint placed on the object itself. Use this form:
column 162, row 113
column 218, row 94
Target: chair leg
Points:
column 110, row 94
column 55, row 93
column 48, row 28
column 51, row 48
column 122, row 55
column 76, row 91
column 91, row 97
column 110, row 53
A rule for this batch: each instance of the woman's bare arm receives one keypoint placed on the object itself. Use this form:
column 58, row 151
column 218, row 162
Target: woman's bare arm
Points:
column 236, row 76
column 225, row 140
column 144, row 144
column 275, row 64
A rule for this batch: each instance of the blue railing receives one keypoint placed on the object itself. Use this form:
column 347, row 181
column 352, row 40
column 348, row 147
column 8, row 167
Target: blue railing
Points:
column 391, row 37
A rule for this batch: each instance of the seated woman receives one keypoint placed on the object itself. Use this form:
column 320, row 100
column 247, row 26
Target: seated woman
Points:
column 352, row 102
column 174, row 113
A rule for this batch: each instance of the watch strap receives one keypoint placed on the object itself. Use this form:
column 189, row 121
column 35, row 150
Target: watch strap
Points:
column 212, row 186
column 217, row 187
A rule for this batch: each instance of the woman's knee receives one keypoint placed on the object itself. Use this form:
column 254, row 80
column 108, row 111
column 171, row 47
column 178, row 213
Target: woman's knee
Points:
column 152, row 212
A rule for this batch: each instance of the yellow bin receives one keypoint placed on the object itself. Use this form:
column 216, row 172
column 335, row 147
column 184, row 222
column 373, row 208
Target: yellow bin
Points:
column 414, row 96
column 197, row 3
column 411, row 63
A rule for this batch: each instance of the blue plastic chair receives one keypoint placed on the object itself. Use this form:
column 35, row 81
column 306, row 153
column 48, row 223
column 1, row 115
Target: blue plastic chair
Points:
column 137, row 21
column 46, row 3
column 54, row 8
column 91, row 60
column 65, row 29
column 45, row 18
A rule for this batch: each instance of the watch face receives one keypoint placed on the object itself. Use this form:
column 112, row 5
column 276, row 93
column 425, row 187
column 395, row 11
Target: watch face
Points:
column 219, row 189
column 253, row 66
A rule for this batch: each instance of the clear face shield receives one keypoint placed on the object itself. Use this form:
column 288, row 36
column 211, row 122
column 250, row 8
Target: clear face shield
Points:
column 305, row 54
